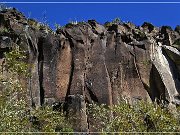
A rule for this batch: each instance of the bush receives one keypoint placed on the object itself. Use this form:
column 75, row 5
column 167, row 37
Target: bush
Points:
column 177, row 42
column 16, row 62
column 117, row 21
column 141, row 117
column 108, row 24
column 4, row 31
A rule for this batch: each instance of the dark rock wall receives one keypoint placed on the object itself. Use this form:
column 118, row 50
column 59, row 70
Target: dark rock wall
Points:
column 98, row 63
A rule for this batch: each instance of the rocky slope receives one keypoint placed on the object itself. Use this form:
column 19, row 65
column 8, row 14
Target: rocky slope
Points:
column 89, row 62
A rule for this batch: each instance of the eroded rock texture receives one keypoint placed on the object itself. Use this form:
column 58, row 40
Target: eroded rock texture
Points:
column 89, row 62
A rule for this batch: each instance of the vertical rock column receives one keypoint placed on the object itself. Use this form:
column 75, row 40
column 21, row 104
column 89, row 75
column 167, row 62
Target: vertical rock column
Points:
column 76, row 112
column 64, row 69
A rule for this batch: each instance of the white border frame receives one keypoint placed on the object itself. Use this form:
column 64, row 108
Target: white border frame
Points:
column 91, row 2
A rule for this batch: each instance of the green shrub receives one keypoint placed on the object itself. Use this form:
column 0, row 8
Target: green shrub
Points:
column 3, row 31
column 117, row 21
column 108, row 24
column 139, row 35
column 51, row 121
column 69, row 25
column 146, row 62
column 141, row 117
column 16, row 62
column 177, row 42
column 82, row 23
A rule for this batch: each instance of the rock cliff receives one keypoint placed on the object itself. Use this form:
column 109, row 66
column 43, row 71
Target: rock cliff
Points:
column 89, row 62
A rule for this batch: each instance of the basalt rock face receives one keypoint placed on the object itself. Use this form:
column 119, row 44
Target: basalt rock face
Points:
column 88, row 62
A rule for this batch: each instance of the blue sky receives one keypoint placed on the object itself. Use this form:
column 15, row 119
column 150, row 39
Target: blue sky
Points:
column 157, row 14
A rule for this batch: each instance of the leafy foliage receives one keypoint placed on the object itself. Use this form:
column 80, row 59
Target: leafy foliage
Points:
column 48, row 120
column 141, row 117
column 16, row 62
column 3, row 31
column 177, row 42
column 116, row 21
column 13, row 103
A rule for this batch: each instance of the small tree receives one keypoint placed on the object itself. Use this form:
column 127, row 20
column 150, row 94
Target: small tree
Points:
column 117, row 21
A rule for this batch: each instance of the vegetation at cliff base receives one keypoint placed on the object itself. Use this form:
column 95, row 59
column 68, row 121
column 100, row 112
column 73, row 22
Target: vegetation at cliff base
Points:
column 17, row 116
column 139, row 117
